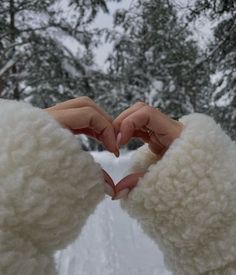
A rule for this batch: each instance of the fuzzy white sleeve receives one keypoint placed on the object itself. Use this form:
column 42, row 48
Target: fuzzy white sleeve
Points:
column 186, row 201
column 48, row 188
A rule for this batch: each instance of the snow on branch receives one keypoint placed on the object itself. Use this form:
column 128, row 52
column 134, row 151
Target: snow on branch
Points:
column 7, row 67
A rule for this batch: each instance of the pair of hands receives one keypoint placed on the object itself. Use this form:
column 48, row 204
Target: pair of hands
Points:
column 83, row 116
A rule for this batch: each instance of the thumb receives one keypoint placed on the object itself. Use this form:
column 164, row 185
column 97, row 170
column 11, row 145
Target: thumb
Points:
column 109, row 186
column 126, row 185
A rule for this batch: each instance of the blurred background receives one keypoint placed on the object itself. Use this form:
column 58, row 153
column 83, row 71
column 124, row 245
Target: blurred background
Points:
column 177, row 55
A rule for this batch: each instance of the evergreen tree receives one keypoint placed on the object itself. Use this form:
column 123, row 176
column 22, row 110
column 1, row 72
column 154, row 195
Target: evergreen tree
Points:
column 222, row 57
column 36, row 65
column 154, row 60
column 16, row 35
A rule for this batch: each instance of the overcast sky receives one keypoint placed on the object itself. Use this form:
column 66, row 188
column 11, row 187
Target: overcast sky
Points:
column 106, row 20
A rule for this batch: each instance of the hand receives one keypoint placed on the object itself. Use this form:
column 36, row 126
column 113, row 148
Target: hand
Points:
column 150, row 125
column 83, row 116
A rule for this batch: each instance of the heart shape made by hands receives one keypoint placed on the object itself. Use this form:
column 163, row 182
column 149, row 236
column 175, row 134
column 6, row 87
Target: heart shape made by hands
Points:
column 123, row 187
column 138, row 121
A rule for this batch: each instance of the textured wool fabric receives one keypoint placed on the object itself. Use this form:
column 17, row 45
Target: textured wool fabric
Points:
column 48, row 188
column 186, row 201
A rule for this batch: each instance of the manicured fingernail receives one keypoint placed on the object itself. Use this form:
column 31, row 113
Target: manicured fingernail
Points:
column 123, row 193
column 108, row 189
column 117, row 153
column 118, row 139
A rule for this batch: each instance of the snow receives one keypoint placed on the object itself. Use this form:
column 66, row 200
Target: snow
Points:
column 111, row 243
column 219, row 98
column 225, row 100
column 202, row 27
column 7, row 66
column 158, row 85
column 106, row 21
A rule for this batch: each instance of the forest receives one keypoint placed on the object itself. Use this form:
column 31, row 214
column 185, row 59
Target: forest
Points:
column 155, row 57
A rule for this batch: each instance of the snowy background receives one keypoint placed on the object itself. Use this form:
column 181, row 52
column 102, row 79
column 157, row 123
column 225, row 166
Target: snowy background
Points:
column 177, row 55
column 111, row 243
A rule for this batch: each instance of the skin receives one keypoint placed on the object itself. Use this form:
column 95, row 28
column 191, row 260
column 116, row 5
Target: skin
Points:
column 152, row 127
column 83, row 116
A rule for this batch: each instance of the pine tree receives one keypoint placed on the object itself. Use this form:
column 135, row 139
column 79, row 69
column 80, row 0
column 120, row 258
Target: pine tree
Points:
column 15, row 35
column 36, row 65
column 155, row 60
column 222, row 57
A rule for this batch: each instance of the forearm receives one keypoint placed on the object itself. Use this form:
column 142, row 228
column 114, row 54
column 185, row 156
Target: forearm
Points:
column 19, row 256
column 186, row 201
column 48, row 185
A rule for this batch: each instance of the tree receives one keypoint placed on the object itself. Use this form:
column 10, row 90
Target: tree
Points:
column 222, row 57
column 37, row 65
column 155, row 60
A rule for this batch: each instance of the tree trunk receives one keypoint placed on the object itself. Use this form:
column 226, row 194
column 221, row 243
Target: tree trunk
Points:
column 16, row 93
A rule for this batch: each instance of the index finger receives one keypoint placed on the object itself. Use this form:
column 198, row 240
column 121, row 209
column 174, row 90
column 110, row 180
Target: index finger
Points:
column 80, row 102
column 88, row 118
column 136, row 121
column 117, row 122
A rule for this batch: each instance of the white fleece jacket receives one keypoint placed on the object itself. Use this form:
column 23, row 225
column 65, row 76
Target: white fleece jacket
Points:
column 186, row 201
column 48, row 188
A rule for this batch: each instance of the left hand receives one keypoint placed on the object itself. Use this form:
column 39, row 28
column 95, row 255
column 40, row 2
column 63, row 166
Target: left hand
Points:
column 150, row 125
column 83, row 116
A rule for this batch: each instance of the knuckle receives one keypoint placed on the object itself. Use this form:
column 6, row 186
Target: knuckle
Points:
column 140, row 104
column 150, row 109
column 129, row 122
column 85, row 98
column 89, row 110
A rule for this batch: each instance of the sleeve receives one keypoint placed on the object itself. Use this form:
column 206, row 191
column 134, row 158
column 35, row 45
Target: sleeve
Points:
column 48, row 188
column 186, row 201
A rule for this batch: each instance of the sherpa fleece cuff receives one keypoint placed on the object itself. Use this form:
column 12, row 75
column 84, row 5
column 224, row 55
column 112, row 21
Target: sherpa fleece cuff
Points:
column 186, row 201
column 48, row 185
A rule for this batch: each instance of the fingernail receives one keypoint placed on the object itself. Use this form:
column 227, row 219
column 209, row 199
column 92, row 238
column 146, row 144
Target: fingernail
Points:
column 117, row 153
column 108, row 189
column 118, row 139
column 123, row 193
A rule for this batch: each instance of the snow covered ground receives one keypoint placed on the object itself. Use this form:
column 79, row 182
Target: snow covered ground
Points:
column 111, row 243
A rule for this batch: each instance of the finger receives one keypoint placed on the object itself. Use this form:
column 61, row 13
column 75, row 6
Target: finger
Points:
column 136, row 121
column 80, row 102
column 129, row 182
column 166, row 128
column 88, row 117
column 137, row 134
column 126, row 185
column 157, row 149
column 144, row 136
column 109, row 186
column 149, row 118
column 154, row 144
column 117, row 122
